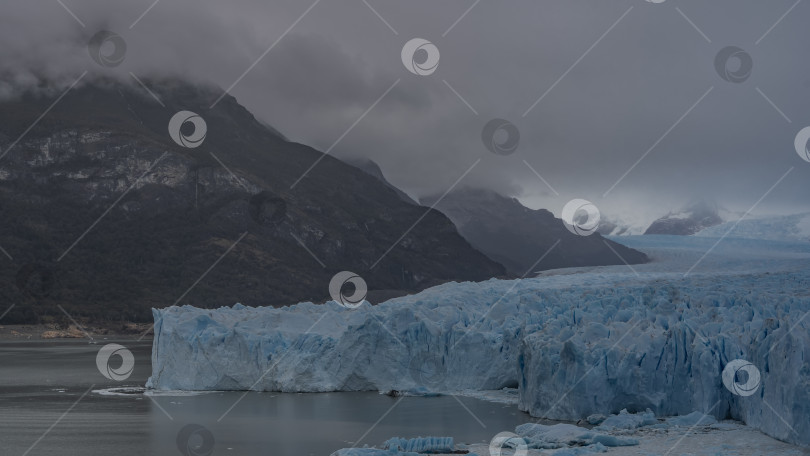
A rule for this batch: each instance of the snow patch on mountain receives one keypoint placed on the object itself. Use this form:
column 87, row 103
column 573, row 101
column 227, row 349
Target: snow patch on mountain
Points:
column 690, row 219
column 616, row 226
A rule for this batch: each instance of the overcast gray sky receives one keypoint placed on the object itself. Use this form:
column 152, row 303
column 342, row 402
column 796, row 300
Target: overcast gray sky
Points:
column 609, row 97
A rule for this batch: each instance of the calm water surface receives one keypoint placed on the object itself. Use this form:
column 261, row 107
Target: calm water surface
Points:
column 43, row 413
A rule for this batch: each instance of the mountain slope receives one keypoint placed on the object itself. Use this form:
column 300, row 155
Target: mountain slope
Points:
column 105, row 215
column 689, row 220
column 518, row 237
column 610, row 226
column 373, row 169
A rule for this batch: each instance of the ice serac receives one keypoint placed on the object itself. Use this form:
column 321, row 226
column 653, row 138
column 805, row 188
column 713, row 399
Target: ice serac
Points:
column 671, row 361
column 576, row 342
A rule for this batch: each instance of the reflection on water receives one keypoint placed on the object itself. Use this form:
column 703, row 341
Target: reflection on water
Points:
column 39, row 381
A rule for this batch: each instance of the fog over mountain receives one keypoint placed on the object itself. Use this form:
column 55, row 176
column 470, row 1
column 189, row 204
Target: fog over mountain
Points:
column 618, row 83
column 692, row 218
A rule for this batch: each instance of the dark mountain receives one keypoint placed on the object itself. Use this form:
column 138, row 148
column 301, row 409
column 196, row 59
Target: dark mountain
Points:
column 689, row 220
column 105, row 215
column 373, row 169
column 517, row 236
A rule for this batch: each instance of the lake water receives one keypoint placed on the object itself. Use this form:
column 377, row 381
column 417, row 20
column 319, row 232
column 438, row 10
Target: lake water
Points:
column 42, row 380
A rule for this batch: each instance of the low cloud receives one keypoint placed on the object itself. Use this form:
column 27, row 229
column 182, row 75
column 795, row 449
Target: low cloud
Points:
column 601, row 111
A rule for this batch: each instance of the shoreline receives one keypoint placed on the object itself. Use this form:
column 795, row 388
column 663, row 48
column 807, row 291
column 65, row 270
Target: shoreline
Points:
column 721, row 437
column 125, row 331
column 725, row 437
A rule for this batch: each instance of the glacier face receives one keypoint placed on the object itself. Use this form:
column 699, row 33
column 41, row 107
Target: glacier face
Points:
column 577, row 342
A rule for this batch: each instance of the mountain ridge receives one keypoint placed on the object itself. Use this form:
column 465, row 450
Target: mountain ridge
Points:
column 690, row 219
column 108, row 217
column 526, row 240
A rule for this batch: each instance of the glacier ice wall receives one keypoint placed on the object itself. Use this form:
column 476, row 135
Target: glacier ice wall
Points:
column 669, row 353
column 576, row 342
column 307, row 347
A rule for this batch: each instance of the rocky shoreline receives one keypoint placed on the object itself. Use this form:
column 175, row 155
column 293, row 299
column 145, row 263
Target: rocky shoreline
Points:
column 53, row 331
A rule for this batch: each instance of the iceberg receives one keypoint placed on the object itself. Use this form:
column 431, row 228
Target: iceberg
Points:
column 421, row 445
column 566, row 435
column 626, row 420
column 568, row 439
column 575, row 342
column 370, row 452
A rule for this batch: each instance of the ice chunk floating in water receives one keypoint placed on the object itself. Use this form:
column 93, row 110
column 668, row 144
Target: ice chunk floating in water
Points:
column 577, row 342
column 570, row 440
column 421, row 444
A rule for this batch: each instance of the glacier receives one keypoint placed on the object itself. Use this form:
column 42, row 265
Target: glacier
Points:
column 783, row 227
column 576, row 342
